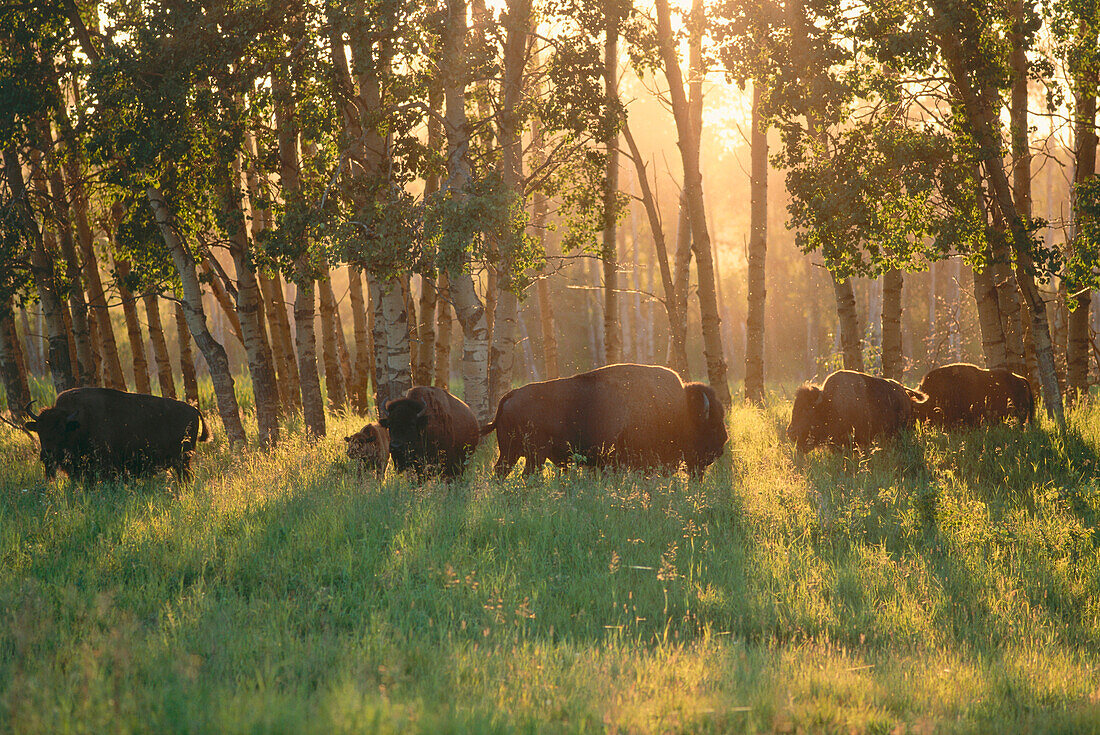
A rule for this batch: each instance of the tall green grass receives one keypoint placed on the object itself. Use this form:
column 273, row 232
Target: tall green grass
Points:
column 945, row 583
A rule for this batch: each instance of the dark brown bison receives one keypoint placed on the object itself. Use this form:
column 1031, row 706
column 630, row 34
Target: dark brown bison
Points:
column 430, row 430
column 100, row 432
column 370, row 447
column 634, row 416
column 966, row 395
column 850, row 409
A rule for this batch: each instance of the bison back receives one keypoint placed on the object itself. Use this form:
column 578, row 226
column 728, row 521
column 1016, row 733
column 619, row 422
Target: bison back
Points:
column 619, row 414
column 864, row 407
column 132, row 431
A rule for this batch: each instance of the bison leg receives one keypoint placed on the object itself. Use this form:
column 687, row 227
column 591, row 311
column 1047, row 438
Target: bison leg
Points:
column 533, row 464
column 505, row 462
column 182, row 468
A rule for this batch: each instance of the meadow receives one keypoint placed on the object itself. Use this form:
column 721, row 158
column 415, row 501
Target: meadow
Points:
column 946, row 583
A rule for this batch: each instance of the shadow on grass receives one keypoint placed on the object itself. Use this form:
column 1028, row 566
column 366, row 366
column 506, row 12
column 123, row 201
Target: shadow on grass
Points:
column 275, row 578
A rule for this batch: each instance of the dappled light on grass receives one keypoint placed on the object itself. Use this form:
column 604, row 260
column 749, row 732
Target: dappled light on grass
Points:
column 944, row 579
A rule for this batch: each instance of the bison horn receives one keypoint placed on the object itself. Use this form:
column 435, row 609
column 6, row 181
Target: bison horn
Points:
column 27, row 410
column 422, row 411
column 706, row 407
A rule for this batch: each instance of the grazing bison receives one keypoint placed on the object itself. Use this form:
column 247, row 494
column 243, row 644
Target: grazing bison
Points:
column 370, row 447
column 430, row 430
column 966, row 395
column 849, row 409
column 635, row 416
column 101, row 432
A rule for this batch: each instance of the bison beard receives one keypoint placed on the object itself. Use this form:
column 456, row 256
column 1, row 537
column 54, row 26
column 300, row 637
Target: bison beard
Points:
column 850, row 409
column 100, row 432
column 370, row 447
column 633, row 416
column 962, row 394
column 430, row 431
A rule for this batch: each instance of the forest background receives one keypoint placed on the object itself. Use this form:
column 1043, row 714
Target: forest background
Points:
column 372, row 195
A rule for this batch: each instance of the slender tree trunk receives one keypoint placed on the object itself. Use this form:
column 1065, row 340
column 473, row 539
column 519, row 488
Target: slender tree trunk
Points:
column 505, row 329
column 425, row 368
column 994, row 345
column 31, row 341
column 160, row 346
column 97, row 299
column 693, row 186
column 757, row 253
column 44, row 277
column 13, row 369
column 370, row 344
column 360, row 383
column 425, row 360
column 677, row 319
column 1008, row 297
column 989, row 318
column 612, row 328
column 1021, row 197
column 212, row 270
column 475, row 343
column 410, row 315
column 305, row 336
column 271, row 291
column 187, row 360
column 133, row 329
column 86, row 369
column 342, row 350
column 681, row 278
column 443, row 333
column 468, row 307
column 334, row 381
column 851, row 337
column 542, row 289
column 391, row 340
column 282, row 342
column 216, row 359
column 893, row 282
column 1077, row 348
column 250, row 311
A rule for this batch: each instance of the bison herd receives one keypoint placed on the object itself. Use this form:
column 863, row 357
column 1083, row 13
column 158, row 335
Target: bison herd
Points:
column 855, row 409
column 626, row 416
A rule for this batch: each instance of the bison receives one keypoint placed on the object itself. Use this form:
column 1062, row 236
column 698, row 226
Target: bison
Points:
column 370, row 447
column 101, row 433
column 633, row 416
column 962, row 394
column 430, row 430
column 850, row 408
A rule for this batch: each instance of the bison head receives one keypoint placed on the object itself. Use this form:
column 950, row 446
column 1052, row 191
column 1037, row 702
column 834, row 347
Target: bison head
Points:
column 370, row 446
column 708, row 418
column 809, row 418
column 406, row 419
column 57, row 433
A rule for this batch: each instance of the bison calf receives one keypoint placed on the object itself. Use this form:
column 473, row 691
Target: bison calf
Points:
column 962, row 394
column 370, row 447
column 850, row 409
column 635, row 416
column 430, row 430
column 101, row 432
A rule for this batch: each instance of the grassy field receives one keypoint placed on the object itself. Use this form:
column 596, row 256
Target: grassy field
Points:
column 945, row 584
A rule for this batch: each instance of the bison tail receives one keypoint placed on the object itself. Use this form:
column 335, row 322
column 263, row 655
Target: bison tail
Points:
column 1030, row 405
column 204, row 430
column 916, row 396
